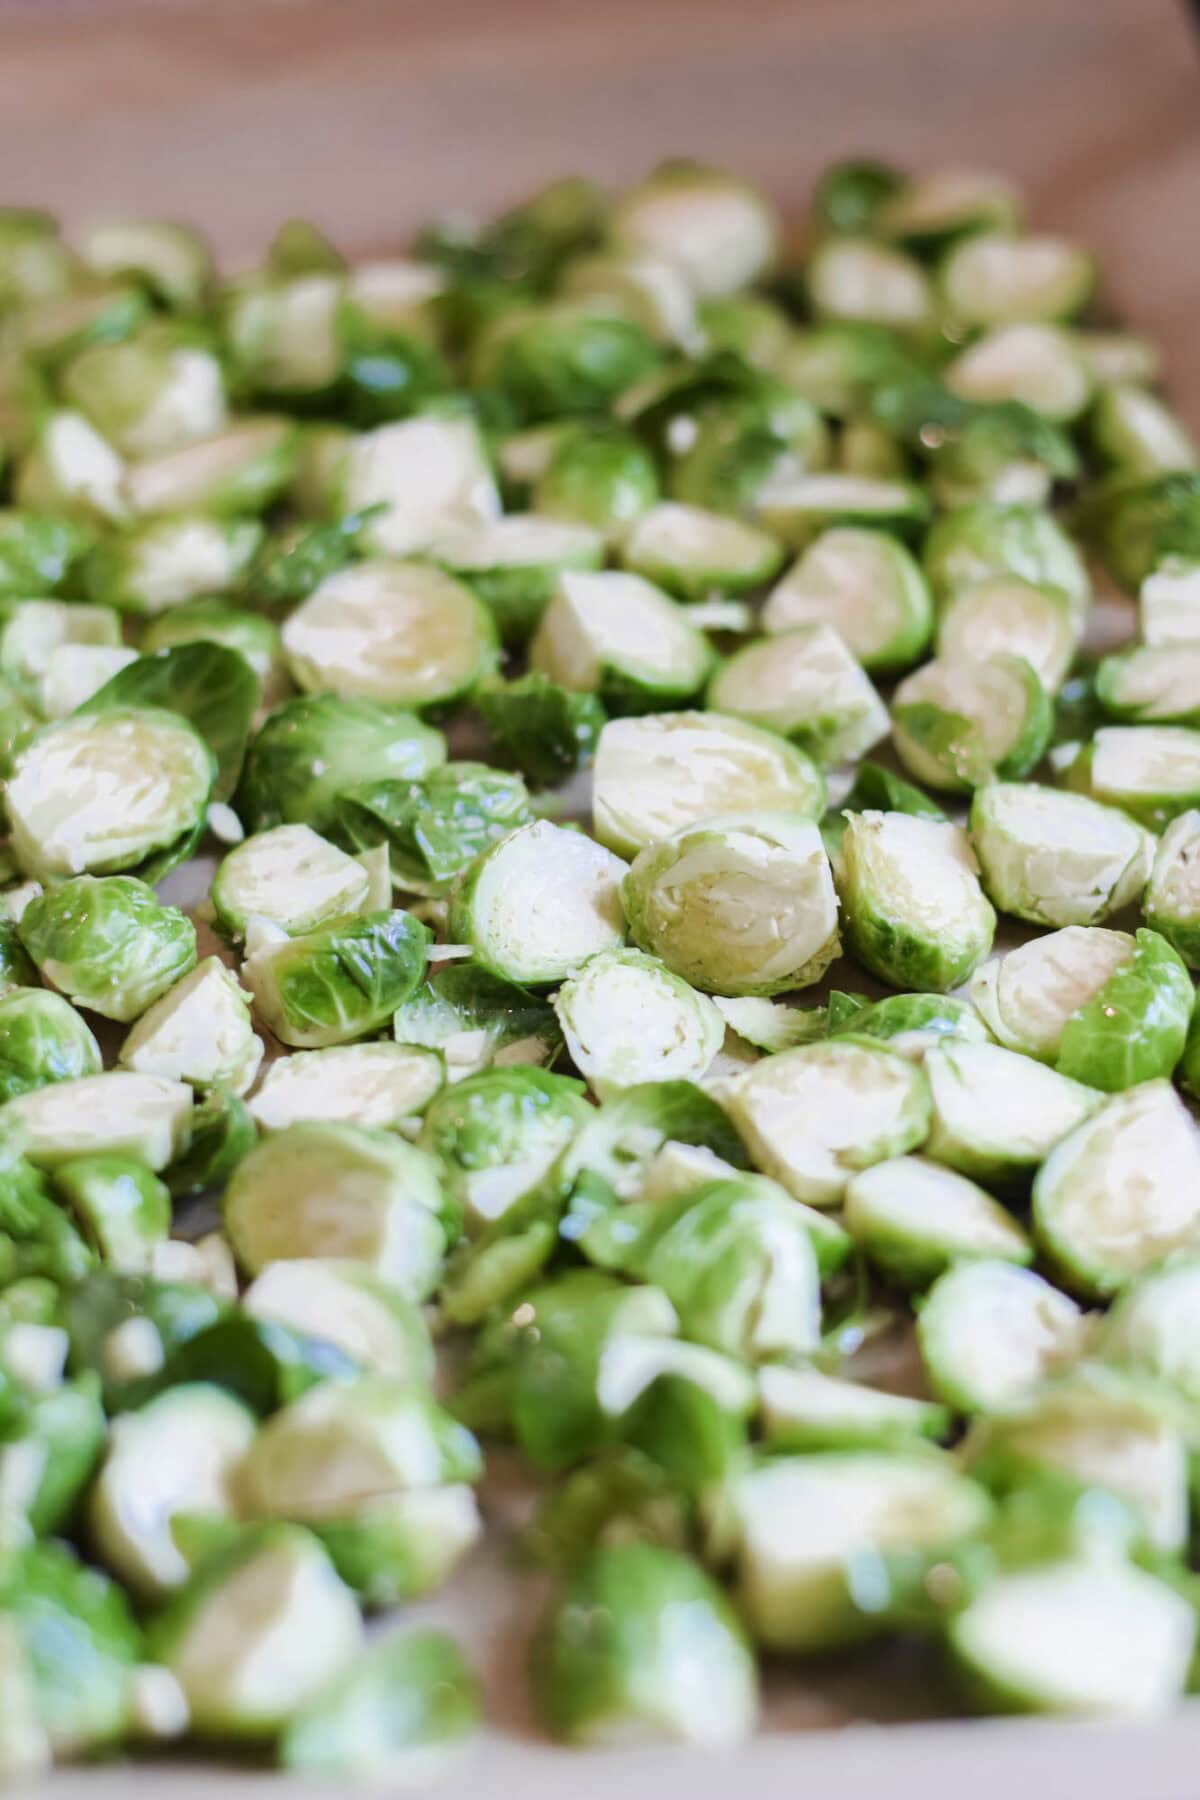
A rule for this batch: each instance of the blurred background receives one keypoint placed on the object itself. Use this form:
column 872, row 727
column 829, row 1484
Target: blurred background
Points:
column 372, row 115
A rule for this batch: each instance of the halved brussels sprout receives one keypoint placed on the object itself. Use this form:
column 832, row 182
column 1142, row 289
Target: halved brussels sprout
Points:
column 513, row 564
column 617, row 635
column 149, row 568
column 1150, row 771
column 1151, row 684
column 933, row 211
column 122, row 1209
column 744, row 904
column 565, row 356
column 693, row 552
column 120, row 1112
column 909, row 1024
column 497, row 1134
column 1120, row 1193
column 74, row 672
column 655, row 776
column 814, row 1115
column 1136, row 525
column 95, row 793
column 215, row 622
column 989, row 540
column 996, row 279
column 1135, row 433
column 990, row 1333
column 916, row 915
column 1005, row 615
column 399, row 632
column 290, row 876
column 799, row 506
column 867, row 586
column 1101, row 1006
column 32, row 630
column 1054, row 858
column 1151, row 1329
column 598, row 475
column 172, row 260
column 1171, row 902
column 339, row 1191
column 70, row 469
column 241, row 470
column 720, row 231
column 754, row 328
column 209, row 685
column 280, row 333
column 378, row 1327
column 199, row 1031
column 350, row 1084
column 1169, row 602
column 648, row 289
column 806, row 685
column 913, row 1219
column 477, row 1020
column 310, row 750
column 958, row 724
column 805, row 1410
column 108, row 943
column 42, row 1039
column 154, row 393
column 432, row 829
column 627, row 1019
column 539, row 903
column 862, row 280
column 340, row 982
column 643, row 1644
column 997, row 1114
column 1035, row 365
column 546, row 730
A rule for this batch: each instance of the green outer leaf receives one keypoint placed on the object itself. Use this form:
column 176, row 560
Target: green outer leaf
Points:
column 213, row 687
column 1135, row 1027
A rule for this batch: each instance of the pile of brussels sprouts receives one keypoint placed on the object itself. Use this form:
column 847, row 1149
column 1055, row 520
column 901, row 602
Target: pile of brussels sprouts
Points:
column 338, row 575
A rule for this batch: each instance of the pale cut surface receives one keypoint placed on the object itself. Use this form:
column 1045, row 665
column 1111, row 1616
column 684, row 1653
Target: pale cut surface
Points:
column 1028, row 996
column 290, row 876
column 991, row 1331
column 545, row 900
column 351, row 1084
column 430, row 475
column 401, row 631
column 612, row 620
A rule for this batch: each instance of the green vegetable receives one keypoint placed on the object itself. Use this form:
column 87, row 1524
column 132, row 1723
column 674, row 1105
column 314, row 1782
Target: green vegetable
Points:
column 916, row 914
column 805, row 685
column 108, row 943
column 434, row 828
column 400, row 1708
column 865, row 585
column 548, row 731
column 340, row 982
column 42, row 1039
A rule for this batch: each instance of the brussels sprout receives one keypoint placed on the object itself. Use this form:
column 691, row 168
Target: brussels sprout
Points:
column 958, row 724
column 990, row 540
column 390, row 370
column 32, row 630
column 1168, row 602
column 150, row 568
column 839, row 364
column 1151, row 684
column 802, row 1525
column 771, row 1025
column 397, row 1713
column 39, row 552
column 49, row 1446
column 913, row 1219
column 74, row 672
column 313, row 748
column 513, row 565
column 70, row 469
column 1057, row 859
column 290, row 876
column 387, row 1207
column 124, row 789
column 400, row 1545
column 655, row 776
column 1171, row 902
column 997, row 1114
column 916, row 915
column 867, row 587
column 995, row 279
column 1133, row 432
column 538, row 903
column 257, row 1633
column 1150, row 771
column 1008, row 616
column 171, row 260
column 990, row 1333
column 1115, row 1196
column 736, row 1259
column 753, row 328
column 24, row 1745
column 932, row 211
column 133, row 1327
column 1118, row 357
column 351, row 1084
column 476, row 1020
column 221, row 1133
column 121, row 1208
column 741, row 905
column 814, row 1115
column 805, row 1410
column 210, row 621
column 622, row 1496
column 861, row 280
column 396, row 632
column 153, row 394
column 647, row 289
column 80, row 1643
column 1035, row 365
column 1151, row 1329
column 693, row 552
column 626, row 1019
column 1102, row 1007
column 1015, row 1646
column 721, row 232
column 435, row 827
column 177, row 1454
column 340, row 982
column 241, row 470
column 1136, row 525
column 50, row 334
column 19, row 725
column 911, row 1024
column 807, row 686
column 496, row 1135
column 642, row 1642
column 16, row 965
column 799, row 507
column 376, row 1326
column 851, row 194
column 618, row 635
column 108, row 943
column 280, row 333
column 141, row 1116
column 42, row 1039
column 570, row 356
column 199, row 1031
column 34, row 261
column 597, row 475
column 210, row 686
column 546, row 730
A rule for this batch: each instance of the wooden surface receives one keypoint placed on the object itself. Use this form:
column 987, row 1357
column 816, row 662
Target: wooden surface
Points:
column 370, row 115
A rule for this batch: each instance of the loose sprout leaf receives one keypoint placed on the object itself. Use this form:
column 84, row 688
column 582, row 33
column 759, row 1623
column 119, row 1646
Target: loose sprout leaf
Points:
column 208, row 684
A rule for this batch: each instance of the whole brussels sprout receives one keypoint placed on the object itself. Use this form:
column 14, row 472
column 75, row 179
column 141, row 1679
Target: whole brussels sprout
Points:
column 109, row 943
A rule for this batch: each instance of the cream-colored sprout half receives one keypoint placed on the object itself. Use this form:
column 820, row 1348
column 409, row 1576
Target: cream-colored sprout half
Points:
column 34, row 629
column 1027, row 996
column 1133, row 762
column 127, row 1113
column 1037, row 365
column 400, row 631
column 1161, row 681
column 431, row 476
column 655, row 775
column 719, row 232
column 609, row 619
column 178, row 559
column 187, row 478
column 1173, row 891
column 995, row 278
column 909, row 1196
column 519, row 541
column 1006, row 616
column 992, row 1104
column 290, row 876
column 98, row 792
column 848, row 578
column 1169, row 602
column 672, row 535
column 74, row 672
column 999, row 1330
column 812, row 1117
column 805, row 681
column 545, row 900
column 199, row 1032
column 626, row 1019
column 859, row 278
column 350, row 1084
column 989, row 692
column 1058, row 858
column 917, row 870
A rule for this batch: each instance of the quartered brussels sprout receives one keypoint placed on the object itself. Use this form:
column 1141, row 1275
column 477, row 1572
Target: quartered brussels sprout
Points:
column 915, row 914
column 991, row 1332
column 656, row 776
column 339, row 1191
column 960, row 723
column 150, row 568
column 497, row 1134
column 243, row 469
column 744, row 904
column 340, row 982
column 626, row 1019
column 539, row 903
column 596, row 474
column 990, row 540
column 351, row 1084
column 1054, row 858
column 108, row 943
column 865, row 585
column 913, row 1219
column 1101, row 1006
column 42, row 1039
column 805, row 685
column 399, row 1711
column 514, row 564
column 997, row 1114
column 435, row 827
column 119, row 790
column 1149, row 771
column 721, row 232
column 694, row 553
column 995, row 279
column 477, row 1020
column 1005, row 616
column 199, row 1031
column 619, row 636
column 399, row 632
column 289, row 876
column 546, row 730
column 643, row 1644
column 1171, row 902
